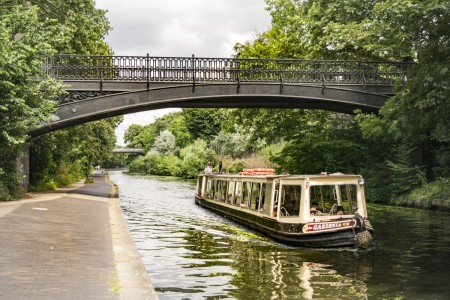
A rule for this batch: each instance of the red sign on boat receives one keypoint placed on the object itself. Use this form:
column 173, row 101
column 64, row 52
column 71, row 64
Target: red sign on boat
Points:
column 313, row 227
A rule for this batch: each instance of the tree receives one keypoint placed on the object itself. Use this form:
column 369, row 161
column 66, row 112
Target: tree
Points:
column 179, row 129
column 28, row 31
column 164, row 142
column 24, row 101
column 412, row 122
column 194, row 158
column 64, row 156
column 202, row 123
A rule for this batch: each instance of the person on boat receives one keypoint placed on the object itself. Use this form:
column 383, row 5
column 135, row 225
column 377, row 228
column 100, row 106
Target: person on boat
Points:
column 313, row 211
column 208, row 168
column 315, row 205
column 340, row 210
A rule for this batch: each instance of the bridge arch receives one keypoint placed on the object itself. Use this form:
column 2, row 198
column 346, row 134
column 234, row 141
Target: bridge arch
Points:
column 106, row 86
column 254, row 95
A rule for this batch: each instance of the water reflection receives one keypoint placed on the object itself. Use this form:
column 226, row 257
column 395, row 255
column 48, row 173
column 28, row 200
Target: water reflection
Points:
column 191, row 253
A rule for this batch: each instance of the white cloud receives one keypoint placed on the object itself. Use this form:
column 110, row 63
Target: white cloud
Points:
column 205, row 28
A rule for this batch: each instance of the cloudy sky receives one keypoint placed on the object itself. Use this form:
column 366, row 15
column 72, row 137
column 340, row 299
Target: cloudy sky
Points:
column 206, row 28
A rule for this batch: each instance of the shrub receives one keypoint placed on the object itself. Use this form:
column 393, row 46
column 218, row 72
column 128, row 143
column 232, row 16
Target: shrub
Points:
column 194, row 158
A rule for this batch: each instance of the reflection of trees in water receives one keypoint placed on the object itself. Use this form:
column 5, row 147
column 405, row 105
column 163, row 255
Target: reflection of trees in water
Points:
column 286, row 275
column 253, row 270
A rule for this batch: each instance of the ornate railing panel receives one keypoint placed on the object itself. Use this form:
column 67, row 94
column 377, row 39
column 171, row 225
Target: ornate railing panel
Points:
column 210, row 70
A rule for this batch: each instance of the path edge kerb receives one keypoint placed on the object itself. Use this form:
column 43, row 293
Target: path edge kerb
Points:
column 114, row 191
column 134, row 280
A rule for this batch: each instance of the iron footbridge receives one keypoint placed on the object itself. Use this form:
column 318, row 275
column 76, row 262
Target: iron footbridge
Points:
column 104, row 86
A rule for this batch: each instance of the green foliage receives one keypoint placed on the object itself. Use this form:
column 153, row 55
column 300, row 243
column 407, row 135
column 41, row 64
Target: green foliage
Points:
column 180, row 130
column 394, row 30
column 405, row 146
column 235, row 144
column 141, row 136
column 81, row 26
column 202, row 123
column 67, row 155
column 9, row 179
column 157, row 164
column 164, row 142
column 194, row 158
column 24, row 102
column 404, row 176
column 431, row 195
column 236, row 167
column 138, row 165
column 28, row 31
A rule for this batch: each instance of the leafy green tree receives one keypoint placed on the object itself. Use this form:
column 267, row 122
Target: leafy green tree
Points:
column 202, row 123
column 64, row 156
column 180, row 130
column 30, row 30
column 131, row 132
column 236, row 144
column 194, row 158
column 412, row 122
column 164, row 143
column 82, row 25
column 24, row 102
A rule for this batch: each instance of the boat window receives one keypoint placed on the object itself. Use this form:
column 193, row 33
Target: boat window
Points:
column 216, row 190
column 275, row 200
column 329, row 197
column 231, row 190
column 238, row 193
column 199, row 185
column 220, row 191
column 247, row 193
column 210, row 187
column 290, row 200
column 224, row 191
column 255, row 195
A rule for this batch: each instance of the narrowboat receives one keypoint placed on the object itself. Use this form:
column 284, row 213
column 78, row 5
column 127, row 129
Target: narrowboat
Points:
column 312, row 211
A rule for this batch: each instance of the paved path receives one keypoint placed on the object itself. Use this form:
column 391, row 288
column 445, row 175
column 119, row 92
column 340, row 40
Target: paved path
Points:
column 69, row 244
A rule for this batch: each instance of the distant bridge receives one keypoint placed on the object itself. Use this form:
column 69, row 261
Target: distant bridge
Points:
column 129, row 150
column 106, row 86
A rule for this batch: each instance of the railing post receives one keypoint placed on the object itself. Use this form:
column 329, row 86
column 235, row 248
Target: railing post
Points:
column 363, row 76
column 281, row 82
column 193, row 73
column 323, row 77
column 53, row 68
column 238, row 78
column 147, row 64
column 101, row 73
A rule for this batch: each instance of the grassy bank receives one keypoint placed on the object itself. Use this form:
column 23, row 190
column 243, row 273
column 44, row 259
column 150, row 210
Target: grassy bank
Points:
column 434, row 195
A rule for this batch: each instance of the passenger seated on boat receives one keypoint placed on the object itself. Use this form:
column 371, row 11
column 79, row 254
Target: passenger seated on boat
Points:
column 340, row 210
column 315, row 205
column 208, row 168
column 275, row 211
column 313, row 211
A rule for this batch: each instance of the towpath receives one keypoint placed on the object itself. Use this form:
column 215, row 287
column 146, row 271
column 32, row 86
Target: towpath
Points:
column 72, row 243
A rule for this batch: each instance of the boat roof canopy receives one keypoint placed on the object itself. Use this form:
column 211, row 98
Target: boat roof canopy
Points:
column 285, row 177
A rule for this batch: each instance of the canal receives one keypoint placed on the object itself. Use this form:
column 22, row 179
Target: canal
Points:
column 191, row 253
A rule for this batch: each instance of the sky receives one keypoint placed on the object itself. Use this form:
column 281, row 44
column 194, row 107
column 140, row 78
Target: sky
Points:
column 205, row 28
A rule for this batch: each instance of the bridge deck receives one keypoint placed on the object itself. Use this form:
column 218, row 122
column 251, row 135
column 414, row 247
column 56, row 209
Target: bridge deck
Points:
column 105, row 86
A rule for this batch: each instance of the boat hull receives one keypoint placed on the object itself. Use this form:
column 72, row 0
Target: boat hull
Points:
column 286, row 233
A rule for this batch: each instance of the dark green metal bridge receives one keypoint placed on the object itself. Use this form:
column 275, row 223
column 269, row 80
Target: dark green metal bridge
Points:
column 104, row 86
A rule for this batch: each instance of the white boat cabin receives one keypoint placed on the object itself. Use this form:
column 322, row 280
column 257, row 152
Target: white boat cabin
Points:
column 288, row 198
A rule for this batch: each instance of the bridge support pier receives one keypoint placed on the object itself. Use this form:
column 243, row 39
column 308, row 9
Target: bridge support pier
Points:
column 23, row 167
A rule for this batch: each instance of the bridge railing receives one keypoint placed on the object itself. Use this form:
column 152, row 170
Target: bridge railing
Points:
column 209, row 70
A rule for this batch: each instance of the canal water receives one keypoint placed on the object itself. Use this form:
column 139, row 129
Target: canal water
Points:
column 191, row 253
